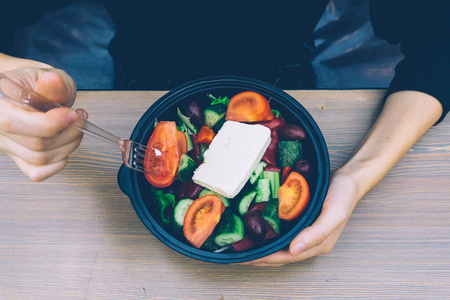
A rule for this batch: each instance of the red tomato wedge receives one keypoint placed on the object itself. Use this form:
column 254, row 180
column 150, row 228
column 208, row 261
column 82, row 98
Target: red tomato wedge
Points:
column 293, row 196
column 285, row 173
column 249, row 107
column 205, row 135
column 163, row 155
column 182, row 142
column 201, row 218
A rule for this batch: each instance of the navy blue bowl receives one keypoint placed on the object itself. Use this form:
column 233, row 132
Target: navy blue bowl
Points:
column 136, row 187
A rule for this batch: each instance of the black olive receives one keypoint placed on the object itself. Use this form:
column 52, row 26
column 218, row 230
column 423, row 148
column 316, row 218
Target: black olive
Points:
column 255, row 225
column 303, row 167
column 195, row 113
column 292, row 132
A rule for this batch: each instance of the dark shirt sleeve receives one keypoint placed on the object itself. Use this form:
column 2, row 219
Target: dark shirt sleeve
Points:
column 422, row 28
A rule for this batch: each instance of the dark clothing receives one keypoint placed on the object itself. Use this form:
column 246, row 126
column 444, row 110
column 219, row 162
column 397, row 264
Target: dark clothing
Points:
column 422, row 27
column 163, row 44
column 179, row 41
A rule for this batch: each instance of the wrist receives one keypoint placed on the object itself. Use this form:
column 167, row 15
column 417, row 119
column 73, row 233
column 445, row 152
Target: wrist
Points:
column 361, row 174
column 405, row 117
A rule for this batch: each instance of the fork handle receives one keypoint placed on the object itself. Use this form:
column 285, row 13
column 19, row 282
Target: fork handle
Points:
column 96, row 131
column 16, row 93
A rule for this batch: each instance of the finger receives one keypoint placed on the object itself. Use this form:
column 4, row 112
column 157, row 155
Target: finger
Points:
column 276, row 259
column 285, row 257
column 39, row 173
column 282, row 258
column 329, row 222
column 56, row 86
column 17, row 120
column 67, row 136
column 45, row 144
column 38, row 158
column 82, row 113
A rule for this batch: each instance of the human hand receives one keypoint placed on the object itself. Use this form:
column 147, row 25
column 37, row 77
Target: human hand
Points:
column 40, row 143
column 322, row 235
column 405, row 117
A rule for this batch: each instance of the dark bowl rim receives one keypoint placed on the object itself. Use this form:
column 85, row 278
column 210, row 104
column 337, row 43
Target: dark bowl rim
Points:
column 127, row 178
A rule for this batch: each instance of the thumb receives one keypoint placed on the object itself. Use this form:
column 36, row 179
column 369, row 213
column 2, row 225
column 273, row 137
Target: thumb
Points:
column 324, row 229
column 56, row 86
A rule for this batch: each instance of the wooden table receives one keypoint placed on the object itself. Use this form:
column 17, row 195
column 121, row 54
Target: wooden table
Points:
column 76, row 235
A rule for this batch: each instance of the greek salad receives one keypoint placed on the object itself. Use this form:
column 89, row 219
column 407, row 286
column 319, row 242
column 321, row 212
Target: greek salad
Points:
column 273, row 195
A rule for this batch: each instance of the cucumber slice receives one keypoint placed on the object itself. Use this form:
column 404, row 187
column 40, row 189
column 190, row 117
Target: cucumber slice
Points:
column 187, row 122
column 203, row 148
column 244, row 199
column 180, row 210
column 270, row 215
column 262, row 190
column 190, row 146
column 186, row 168
column 289, row 152
column 224, row 199
column 214, row 113
column 274, row 178
column 218, row 125
column 229, row 230
column 257, row 172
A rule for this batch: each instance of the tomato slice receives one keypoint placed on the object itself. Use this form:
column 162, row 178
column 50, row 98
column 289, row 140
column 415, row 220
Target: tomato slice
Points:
column 205, row 135
column 201, row 218
column 182, row 142
column 293, row 196
column 285, row 173
column 249, row 107
column 163, row 155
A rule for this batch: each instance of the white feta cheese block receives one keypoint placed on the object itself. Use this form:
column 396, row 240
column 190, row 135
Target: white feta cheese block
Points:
column 231, row 157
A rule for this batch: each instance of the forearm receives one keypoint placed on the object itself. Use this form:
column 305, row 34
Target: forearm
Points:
column 9, row 63
column 405, row 117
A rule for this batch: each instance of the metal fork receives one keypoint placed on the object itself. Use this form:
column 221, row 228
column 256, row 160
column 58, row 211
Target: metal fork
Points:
column 134, row 155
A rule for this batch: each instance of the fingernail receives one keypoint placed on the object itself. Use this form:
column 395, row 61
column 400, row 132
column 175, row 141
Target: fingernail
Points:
column 72, row 116
column 298, row 248
column 82, row 113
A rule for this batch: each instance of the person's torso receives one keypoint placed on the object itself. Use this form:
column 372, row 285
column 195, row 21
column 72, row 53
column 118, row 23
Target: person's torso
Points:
column 186, row 40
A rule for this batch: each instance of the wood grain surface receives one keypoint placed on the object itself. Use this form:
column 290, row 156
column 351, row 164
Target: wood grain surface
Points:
column 76, row 235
